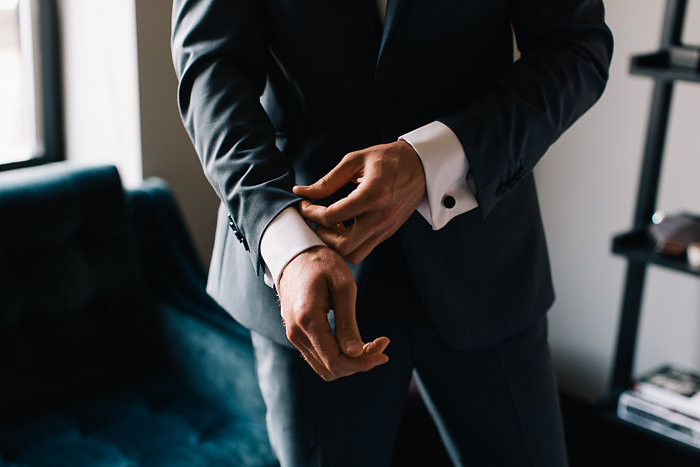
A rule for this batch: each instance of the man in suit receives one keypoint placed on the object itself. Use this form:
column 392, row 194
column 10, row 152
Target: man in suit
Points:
column 410, row 134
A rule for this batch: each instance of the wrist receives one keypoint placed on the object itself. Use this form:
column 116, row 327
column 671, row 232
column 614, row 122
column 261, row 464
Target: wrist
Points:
column 416, row 165
column 307, row 255
column 287, row 235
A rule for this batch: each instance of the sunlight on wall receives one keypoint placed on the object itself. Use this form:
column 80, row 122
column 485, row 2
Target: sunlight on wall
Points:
column 100, row 75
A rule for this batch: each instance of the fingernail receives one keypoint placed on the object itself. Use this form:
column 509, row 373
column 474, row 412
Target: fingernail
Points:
column 353, row 346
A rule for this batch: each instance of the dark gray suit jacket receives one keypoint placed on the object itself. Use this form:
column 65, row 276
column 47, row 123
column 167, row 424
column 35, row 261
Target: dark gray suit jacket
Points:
column 275, row 92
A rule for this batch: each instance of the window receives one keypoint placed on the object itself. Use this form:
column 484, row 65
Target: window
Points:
column 30, row 114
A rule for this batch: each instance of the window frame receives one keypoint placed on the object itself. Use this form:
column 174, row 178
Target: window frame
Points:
column 48, row 86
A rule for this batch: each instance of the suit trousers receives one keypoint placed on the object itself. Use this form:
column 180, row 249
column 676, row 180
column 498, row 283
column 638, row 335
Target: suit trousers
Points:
column 494, row 406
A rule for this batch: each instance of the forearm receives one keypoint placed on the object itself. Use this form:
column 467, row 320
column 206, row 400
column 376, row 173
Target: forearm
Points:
column 219, row 53
column 566, row 49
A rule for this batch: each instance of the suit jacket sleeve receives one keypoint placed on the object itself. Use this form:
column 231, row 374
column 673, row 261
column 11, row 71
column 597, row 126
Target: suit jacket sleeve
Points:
column 220, row 51
column 565, row 55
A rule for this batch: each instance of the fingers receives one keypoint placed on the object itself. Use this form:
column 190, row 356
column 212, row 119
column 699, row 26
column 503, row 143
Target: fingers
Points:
column 315, row 363
column 355, row 204
column 347, row 334
column 312, row 283
column 310, row 332
column 339, row 364
column 316, row 213
column 354, row 243
column 375, row 347
column 321, row 351
column 378, row 345
column 339, row 176
column 360, row 253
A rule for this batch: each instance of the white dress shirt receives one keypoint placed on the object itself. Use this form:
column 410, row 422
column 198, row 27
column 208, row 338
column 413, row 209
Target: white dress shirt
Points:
column 447, row 194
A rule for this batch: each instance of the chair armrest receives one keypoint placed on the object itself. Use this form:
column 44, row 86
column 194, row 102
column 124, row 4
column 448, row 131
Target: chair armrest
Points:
column 202, row 340
column 173, row 271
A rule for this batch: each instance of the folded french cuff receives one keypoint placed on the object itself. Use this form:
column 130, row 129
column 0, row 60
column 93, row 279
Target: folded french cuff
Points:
column 286, row 236
column 446, row 167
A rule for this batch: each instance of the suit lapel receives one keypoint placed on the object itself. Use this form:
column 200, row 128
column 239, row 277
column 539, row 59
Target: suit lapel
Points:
column 392, row 13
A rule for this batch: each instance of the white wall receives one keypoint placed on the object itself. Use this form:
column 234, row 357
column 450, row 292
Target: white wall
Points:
column 120, row 102
column 167, row 150
column 100, row 83
column 588, row 184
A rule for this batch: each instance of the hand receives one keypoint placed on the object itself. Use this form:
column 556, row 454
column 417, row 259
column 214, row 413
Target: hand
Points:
column 310, row 285
column 391, row 184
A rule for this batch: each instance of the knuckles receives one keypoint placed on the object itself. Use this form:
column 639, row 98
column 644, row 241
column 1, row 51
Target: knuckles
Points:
column 304, row 318
column 351, row 157
column 325, row 219
column 354, row 259
column 344, row 325
column 322, row 182
column 344, row 284
column 343, row 247
column 293, row 334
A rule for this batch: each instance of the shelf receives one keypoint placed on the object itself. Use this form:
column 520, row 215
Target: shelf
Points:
column 650, row 436
column 636, row 445
column 637, row 246
column 656, row 65
column 597, row 436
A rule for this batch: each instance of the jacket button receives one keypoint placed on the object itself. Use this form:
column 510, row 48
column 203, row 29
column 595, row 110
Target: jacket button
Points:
column 449, row 202
column 237, row 233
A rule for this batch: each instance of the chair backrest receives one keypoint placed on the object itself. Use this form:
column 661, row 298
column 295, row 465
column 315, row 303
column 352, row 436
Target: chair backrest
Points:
column 73, row 310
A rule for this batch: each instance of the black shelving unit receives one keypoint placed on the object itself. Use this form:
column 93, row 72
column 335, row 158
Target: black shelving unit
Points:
column 657, row 66
column 634, row 245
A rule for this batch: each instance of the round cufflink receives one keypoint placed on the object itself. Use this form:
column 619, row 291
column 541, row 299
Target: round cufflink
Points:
column 448, row 201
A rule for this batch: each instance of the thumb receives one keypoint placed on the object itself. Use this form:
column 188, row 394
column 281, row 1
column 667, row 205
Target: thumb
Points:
column 338, row 177
column 346, row 332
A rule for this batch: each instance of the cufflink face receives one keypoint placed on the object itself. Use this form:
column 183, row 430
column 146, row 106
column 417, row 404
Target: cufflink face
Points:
column 448, row 201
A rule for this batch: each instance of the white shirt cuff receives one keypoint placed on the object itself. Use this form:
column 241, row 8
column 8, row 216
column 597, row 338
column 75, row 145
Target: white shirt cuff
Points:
column 285, row 237
column 446, row 167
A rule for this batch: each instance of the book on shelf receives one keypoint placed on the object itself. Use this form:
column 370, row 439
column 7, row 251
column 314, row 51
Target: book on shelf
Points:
column 667, row 401
column 673, row 387
column 684, row 56
column 672, row 234
column 636, row 409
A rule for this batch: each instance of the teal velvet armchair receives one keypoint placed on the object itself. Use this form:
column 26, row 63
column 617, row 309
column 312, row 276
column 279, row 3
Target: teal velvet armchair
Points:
column 111, row 352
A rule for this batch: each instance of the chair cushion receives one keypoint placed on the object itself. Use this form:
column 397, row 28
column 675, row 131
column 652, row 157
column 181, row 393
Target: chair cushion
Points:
column 111, row 353
column 158, row 423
